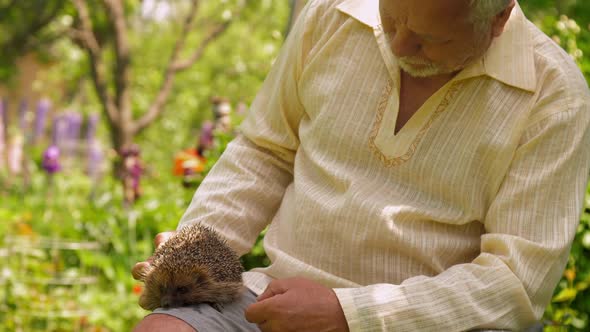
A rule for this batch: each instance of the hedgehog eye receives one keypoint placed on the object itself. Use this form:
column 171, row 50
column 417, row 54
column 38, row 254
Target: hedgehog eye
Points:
column 182, row 290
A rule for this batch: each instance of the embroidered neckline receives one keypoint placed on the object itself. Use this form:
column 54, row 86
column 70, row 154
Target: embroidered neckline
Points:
column 381, row 107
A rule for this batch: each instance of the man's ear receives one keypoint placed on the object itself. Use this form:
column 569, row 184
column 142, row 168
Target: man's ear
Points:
column 500, row 20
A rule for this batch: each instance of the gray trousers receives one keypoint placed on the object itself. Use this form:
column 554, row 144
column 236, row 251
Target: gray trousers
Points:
column 204, row 318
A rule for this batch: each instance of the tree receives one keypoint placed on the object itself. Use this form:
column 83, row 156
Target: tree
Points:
column 24, row 28
column 112, row 80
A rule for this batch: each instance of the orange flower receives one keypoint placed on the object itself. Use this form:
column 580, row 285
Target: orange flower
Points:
column 137, row 289
column 24, row 229
column 188, row 159
column 570, row 275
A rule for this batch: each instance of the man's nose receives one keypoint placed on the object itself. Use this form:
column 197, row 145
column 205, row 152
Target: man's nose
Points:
column 404, row 43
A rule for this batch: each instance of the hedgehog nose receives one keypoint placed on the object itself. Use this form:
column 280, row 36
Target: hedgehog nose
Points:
column 171, row 301
column 165, row 302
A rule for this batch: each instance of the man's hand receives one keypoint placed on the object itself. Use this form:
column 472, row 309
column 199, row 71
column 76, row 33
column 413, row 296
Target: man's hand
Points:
column 297, row 304
column 140, row 268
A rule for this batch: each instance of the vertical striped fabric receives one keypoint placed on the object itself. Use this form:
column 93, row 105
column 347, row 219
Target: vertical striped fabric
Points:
column 462, row 220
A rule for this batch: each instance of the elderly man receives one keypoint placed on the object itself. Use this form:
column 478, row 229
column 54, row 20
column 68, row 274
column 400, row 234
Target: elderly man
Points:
column 421, row 164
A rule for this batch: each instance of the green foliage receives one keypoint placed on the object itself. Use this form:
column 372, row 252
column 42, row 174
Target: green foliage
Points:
column 26, row 26
column 571, row 301
column 568, row 22
column 233, row 66
column 72, row 207
column 64, row 210
column 570, row 305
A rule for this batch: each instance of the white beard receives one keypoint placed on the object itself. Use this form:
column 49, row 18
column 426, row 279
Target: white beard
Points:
column 425, row 68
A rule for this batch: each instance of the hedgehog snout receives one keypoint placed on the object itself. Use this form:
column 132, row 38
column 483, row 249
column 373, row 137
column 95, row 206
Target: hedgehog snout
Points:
column 173, row 297
column 171, row 301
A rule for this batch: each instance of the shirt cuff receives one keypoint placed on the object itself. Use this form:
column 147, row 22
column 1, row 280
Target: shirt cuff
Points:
column 346, row 299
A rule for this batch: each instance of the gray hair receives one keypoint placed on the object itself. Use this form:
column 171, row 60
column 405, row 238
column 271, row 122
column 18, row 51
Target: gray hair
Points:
column 484, row 11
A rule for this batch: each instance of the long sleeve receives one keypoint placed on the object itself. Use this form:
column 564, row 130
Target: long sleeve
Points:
column 242, row 192
column 529, row 229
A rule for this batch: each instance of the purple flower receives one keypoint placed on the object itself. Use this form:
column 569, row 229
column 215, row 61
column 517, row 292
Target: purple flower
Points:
column 42, row 109
column 74, row 122
column 57, row 130
column 206, row 137
column 61, row 129
column 51, row 160
column 95, row 159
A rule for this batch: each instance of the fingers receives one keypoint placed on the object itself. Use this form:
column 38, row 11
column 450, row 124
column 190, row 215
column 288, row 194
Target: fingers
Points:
column 267, row 303
column 268, row 293
column 162, row 237
column 139, row 270
column 258, row 312
column 275, row 287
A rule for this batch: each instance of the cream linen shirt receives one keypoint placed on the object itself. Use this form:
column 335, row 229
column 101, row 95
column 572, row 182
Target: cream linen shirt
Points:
column 462, row 220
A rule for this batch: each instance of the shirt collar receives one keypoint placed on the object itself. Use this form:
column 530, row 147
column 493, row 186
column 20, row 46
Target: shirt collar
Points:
column 510, row 58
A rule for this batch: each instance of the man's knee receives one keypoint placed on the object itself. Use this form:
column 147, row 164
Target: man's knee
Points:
column 162, row 323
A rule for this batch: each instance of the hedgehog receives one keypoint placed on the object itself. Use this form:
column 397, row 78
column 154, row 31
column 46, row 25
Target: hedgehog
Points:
column 194, row 266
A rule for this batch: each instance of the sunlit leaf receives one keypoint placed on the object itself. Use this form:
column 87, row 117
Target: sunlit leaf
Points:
column 566, row 294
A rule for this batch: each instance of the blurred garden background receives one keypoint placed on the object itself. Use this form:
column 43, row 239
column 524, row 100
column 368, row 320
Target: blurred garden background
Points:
column 111, row 113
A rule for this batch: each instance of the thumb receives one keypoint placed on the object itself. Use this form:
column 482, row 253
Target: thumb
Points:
column 274, row 288
column 161, row 238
